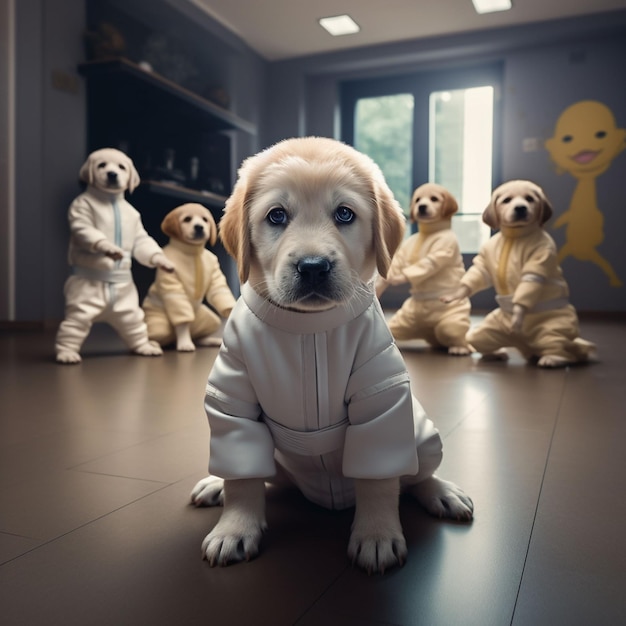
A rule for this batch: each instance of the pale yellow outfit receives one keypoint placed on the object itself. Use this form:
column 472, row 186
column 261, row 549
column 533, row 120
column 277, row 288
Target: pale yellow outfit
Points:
column 431, row 262
column 178, row 297
column 521, row 264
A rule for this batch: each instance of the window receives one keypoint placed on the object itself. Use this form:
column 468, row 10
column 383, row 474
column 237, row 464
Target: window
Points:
column 432, row 126
column 383, row 130
column 460, row 156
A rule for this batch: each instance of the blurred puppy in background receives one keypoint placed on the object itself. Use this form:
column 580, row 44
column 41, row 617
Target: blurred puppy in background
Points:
column 174, row 306
column 105, row 233
column 534, row 314
column 430, row 262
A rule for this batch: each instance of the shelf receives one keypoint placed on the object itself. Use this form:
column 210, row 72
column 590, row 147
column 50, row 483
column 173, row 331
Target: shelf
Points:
column 185, row 194
column 139, row 87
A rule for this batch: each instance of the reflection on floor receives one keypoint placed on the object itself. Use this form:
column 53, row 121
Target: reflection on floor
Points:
column 97, row 462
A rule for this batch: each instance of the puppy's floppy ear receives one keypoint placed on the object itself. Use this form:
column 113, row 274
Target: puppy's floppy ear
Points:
column 413, row 208
column 212, row 228
column 86, row 172
column 490, row 215
column 133, row 180
column 170, row 225
column 235, row 228
column 546, row 207
column 450, row 205
column 389, row 226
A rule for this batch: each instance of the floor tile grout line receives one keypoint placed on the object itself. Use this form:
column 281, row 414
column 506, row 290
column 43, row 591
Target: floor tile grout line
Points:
column 543, row 478
column 79, row 527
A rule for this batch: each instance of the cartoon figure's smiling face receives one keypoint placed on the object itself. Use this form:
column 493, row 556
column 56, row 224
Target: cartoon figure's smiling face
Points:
column 586, row 139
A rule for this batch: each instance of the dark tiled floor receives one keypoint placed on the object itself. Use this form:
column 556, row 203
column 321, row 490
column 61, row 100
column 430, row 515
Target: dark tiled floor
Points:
column 97, row 462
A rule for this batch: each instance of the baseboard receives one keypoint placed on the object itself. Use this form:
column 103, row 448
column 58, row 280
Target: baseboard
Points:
column 36, row 325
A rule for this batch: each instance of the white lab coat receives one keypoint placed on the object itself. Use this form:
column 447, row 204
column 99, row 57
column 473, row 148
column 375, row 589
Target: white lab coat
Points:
column 326, row 395
column 100, row 288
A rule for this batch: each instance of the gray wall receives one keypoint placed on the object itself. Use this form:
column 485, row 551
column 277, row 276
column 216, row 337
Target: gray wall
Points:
column 547, row 67
column 50, row 140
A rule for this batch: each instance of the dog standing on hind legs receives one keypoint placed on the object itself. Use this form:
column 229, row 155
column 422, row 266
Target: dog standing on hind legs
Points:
column 105, row 233
column 308, row 383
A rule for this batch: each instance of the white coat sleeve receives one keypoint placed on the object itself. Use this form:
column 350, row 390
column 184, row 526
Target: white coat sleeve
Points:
column 241, row 445
column 380, row 438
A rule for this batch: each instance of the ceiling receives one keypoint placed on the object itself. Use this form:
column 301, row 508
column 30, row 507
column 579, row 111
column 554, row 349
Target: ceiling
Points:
column 284, row 29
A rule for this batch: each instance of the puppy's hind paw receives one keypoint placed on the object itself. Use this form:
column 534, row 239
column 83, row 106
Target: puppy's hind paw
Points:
column 498, row 355
column 209, row 341
column 150, row 348
column 68, row 357
column 208, row 492
column 377, row 553
column 444, row 499
column 459, row 351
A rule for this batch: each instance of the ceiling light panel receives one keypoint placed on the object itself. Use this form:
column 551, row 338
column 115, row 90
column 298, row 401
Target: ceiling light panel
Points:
column 339, row 25
column 491, row 6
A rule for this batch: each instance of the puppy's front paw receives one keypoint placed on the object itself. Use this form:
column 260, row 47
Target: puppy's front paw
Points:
column 552, row 361
column 234, row 539
column 459, row 350
column 442, row 498
column 185, row 346
column 208, row 492
column 150, row 348
column 68, row 357
column 377, row 552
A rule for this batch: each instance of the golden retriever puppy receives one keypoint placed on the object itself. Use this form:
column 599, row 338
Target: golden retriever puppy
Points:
column 431, row 262
column 309, row 384
column 105, row 233
column 174, row 305
column 520, row 262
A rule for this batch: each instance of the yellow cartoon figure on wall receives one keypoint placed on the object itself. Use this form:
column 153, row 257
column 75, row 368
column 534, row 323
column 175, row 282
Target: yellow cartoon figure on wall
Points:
column 585, row 142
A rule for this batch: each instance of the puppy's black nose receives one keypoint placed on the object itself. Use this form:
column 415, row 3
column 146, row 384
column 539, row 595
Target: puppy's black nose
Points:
column 422, row 208
column 198, row 230
column 521, row 210
column 112, row 177
column 313, row 269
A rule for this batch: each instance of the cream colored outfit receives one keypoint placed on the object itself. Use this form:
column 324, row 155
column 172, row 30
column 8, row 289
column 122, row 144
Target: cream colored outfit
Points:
column 177, row 297
column 432, row 264
column 101, row 289
column 521, row 264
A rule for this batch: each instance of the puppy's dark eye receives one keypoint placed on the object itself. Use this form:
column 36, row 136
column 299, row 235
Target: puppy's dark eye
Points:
column 567, row 139
column 101, row 165
column 187, row 219
column 434, row 198
column 277, row 216
column 507, row 200
column 122, row 167
column 601, row 134
column 417, row 200
column 529, row 199
column 344, row 215
column 205, row 220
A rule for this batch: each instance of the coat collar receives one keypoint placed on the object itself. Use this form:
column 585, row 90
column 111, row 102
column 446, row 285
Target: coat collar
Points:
column 303, row 323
